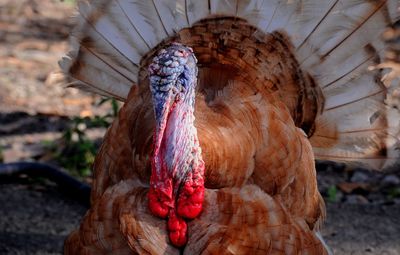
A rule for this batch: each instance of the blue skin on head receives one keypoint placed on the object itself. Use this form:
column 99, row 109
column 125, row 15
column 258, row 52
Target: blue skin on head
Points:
column 172, row 77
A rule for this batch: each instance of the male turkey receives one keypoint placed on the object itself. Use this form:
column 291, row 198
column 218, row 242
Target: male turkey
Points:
column 276, row 83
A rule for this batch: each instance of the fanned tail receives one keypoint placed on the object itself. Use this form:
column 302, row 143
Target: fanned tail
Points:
column 335, row 42
column 356, row 124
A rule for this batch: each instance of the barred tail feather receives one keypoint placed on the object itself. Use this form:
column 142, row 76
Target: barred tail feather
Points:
column 356, row 124
column 335, row 42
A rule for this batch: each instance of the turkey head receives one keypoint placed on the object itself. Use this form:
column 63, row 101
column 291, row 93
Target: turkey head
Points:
column 177, row 177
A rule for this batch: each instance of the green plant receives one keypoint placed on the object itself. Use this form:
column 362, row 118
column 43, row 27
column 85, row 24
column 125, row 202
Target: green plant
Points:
column 332, row 194
column 79, row 151
column 393, row 192
column 75, row 151
column 114, row 106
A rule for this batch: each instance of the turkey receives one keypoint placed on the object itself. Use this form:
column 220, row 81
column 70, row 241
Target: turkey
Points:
column 226, row 105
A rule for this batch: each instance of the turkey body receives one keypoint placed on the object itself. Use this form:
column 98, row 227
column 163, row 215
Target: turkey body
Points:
column 257, row 112
column 261, row 195
column 261, row 192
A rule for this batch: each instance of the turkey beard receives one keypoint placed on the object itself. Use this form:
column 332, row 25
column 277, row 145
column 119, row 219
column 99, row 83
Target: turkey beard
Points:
column 177, row 179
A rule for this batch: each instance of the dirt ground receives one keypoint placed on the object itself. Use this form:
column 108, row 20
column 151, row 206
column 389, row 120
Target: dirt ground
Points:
column 363, row 207
column 35, row 219
column 33, row 37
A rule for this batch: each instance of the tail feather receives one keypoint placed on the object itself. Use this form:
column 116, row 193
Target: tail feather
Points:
column 114, row 29
column 393, row 10
column 335, row 41
column 196, row 10
column 361, row 132
column 145, row 18
column 315, row 15
column 173, row 14
column 92, row 71
column 354, row 125
column 259, row 13
column 342, row 94
column 343, row 32
column 342, row 71
column 226, row 7
column 283, row 14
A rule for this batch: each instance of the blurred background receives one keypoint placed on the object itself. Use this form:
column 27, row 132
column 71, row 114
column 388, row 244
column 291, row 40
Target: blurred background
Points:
column 42, row 121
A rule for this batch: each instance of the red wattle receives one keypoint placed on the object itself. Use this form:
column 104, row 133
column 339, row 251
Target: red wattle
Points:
column 173, row 193
column 190, row 200
column 159, row 202
column 160, row 195
column 177, row 229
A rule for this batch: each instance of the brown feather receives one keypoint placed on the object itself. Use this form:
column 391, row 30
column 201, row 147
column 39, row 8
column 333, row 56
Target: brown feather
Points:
column 259, row 116
column 272, row 158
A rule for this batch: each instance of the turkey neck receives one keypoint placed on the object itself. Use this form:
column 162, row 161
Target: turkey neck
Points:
column 177, row 152
column 177, row 179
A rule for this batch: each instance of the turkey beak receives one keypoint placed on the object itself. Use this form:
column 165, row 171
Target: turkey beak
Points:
column 162, row 109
